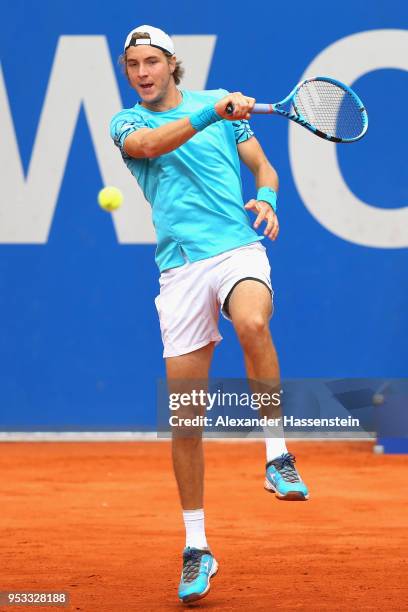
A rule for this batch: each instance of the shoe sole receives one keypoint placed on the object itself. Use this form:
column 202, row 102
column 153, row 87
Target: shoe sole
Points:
column 291, row 496
column 196, row 596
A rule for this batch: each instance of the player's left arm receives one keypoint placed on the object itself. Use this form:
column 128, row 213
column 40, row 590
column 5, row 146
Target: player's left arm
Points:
column 253, row 156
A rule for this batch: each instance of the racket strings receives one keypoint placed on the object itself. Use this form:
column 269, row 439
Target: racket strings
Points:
column 330, row 109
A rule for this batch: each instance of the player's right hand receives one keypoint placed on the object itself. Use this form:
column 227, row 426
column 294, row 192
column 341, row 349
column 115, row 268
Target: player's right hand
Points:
column 242, row 105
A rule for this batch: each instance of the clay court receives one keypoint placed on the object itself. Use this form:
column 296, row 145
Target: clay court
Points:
column 102, row 522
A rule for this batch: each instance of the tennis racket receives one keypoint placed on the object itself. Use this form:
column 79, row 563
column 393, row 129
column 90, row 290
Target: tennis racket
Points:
column 326, row 107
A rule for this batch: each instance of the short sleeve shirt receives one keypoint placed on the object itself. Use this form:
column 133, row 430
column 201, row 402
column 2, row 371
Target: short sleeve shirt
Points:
column 195, row 191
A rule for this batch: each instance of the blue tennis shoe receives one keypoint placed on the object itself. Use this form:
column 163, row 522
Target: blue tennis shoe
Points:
column 198, row 567
column 283, row 479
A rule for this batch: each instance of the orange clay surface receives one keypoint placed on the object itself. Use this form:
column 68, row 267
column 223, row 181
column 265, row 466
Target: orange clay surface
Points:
column 102, row 522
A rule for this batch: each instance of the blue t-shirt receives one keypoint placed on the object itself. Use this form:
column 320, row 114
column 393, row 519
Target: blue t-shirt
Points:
column 195, row 191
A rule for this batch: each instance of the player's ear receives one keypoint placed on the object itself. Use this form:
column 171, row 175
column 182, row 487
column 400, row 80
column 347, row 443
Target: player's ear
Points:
column 172, row 63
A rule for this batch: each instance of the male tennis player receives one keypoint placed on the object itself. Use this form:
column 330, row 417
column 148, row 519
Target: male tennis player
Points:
column 183, row 148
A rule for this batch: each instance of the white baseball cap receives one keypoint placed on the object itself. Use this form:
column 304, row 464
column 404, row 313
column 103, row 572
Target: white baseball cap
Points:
column 157, row 38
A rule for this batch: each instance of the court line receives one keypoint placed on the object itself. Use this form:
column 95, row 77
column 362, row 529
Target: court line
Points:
column 142, row 436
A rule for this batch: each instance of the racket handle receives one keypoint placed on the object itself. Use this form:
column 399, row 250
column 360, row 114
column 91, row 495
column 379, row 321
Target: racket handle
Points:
column 259, row 109
column 263, row 109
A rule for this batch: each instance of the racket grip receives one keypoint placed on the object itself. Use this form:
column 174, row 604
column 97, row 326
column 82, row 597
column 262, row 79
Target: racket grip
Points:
column 263, row 109
column 259, row 109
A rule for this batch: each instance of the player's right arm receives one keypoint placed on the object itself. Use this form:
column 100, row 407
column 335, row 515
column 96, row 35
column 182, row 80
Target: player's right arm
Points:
column 148, row 142
column 145, row 142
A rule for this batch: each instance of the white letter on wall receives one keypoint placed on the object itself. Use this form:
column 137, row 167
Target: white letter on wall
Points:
column 314, row 162
column 82, row 73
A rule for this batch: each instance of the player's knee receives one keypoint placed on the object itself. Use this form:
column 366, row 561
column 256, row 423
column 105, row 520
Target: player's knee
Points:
column 251, row 327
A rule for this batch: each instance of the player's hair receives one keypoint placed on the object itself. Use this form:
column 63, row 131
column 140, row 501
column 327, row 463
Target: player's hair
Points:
column 178, row 72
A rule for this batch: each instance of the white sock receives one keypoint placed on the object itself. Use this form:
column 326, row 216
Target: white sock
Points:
column 275, row 442
column 274, row 448
column 195, row 532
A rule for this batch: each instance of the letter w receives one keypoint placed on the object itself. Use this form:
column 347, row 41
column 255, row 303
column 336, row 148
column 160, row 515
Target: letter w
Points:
column 82, row 73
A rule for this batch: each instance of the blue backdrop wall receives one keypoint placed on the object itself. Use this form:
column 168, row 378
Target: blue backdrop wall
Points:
column 80, row 342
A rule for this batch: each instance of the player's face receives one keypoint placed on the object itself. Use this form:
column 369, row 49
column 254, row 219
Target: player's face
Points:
column 149, row 72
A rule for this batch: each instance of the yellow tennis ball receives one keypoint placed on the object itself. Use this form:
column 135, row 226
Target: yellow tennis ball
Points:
column 110, row 198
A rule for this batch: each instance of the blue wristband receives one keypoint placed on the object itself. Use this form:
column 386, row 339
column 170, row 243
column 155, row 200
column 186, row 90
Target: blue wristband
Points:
column 266, row 194
column 204, row 117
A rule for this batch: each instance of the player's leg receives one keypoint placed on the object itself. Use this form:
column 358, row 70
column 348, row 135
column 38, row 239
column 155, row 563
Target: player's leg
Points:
column 187, row 452
column 188, row 313
column 250, row 308
column 184, row 373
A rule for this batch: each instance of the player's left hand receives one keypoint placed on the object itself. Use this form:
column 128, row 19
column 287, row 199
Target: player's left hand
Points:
column 264, row 213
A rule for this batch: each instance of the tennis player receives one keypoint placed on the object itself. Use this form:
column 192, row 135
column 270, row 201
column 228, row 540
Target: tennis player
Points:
column 183, row 148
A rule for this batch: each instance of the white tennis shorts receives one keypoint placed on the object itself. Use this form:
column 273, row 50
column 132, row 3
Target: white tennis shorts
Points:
column 191, row 296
